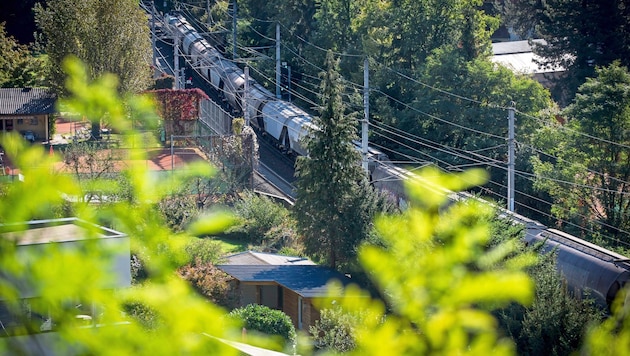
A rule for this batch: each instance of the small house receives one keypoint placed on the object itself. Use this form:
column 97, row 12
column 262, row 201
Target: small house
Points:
column 290, row 284
column 26, row 111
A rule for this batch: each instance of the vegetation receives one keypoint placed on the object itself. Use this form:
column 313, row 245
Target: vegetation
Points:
column 591, row 167
column 266, row 320
column 579, row 35
column 108, row 36
column 19, row 68
column 331, row 184
column 335, row 330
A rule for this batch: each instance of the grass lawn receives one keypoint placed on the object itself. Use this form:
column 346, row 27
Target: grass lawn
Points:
column 231, row 245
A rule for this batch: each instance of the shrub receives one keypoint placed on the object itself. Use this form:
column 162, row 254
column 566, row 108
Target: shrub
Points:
column 210, row 282
column 266, row 320
column 202, row 251
column 258, row 216
column 335, row 330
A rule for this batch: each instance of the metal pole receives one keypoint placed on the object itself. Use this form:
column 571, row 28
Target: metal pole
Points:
column 511, row 158
column 289, row 81
column 153, row 39
column 172, row 155
column 234, row 30
column 245, row 91
column 176, row 56
column 208, row 11
column 366, row 117
column 278, row 94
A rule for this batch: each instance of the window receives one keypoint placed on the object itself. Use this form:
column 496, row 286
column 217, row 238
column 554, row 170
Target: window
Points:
column 34, row 121
column 300, row 306
column 20, row 121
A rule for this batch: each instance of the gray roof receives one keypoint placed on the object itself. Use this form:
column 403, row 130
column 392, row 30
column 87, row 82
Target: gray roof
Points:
column 259, row 258
column 519, row 57
column 306, row 280
column 26, row 101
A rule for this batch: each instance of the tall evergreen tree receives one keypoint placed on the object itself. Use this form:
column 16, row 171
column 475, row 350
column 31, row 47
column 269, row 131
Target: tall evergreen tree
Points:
column 330, row 217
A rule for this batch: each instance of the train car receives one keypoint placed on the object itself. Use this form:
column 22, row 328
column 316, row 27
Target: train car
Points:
column 286, row 125
column 589, row 270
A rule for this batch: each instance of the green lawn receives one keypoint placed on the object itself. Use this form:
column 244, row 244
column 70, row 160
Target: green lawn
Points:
column 231, row 245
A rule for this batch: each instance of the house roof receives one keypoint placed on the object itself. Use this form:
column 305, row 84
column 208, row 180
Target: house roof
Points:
column 259, row 258
column 309, row 281
column 518, row 56
column 26, row 101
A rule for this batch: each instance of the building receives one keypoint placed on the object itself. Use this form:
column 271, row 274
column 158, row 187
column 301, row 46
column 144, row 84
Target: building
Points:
column 26, row 110
column 31, row 330
column 290, row 284
column 520, row 58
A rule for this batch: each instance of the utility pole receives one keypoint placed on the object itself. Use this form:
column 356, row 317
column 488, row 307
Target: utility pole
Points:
column 366, row 117
column 278, row 93
column 246, row 89
column 208, row 12
column 511, row 158
column 234, row 7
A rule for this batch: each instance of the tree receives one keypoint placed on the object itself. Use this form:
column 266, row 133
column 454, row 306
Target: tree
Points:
column 450, row 280
column 18, row 67
column 108, row 36
column 329, row 180
column 580, row 35
column 179, row 311
column 588, row 178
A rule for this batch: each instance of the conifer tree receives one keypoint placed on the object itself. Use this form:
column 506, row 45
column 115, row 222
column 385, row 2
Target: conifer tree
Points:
column 329, row 215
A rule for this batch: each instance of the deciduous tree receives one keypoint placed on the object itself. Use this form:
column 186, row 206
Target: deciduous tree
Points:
column 109, row 36
column 588, row 178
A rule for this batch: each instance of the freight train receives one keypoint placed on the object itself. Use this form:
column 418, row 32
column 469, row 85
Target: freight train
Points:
column 588, row 269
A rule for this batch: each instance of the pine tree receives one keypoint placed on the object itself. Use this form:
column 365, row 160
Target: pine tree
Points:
column 331, row 219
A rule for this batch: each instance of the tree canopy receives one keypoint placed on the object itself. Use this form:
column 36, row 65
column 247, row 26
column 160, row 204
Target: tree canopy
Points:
column 18, row 66
column 580, row 35
column 589, row 175
column 108, row 36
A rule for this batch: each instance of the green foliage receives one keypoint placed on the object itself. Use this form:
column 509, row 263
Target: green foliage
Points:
column 588, row 178
column 60, row 276
column 203, row 251
column 612, row 337
column 258, row 215
column 438, row 280
column 108, row 36
column 266, row 320
column 18, row 67
column 335, row 330
column 210, row 282
column 556, row 322
column 329, row 210
column 579, row 35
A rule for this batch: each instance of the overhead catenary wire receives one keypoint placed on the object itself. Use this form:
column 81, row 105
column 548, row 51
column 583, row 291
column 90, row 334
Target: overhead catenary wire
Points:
column 498, row 107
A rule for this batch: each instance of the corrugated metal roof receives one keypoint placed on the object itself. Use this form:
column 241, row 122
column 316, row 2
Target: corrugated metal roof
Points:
column 309, row 281
column 26, row 101
column 259, row 258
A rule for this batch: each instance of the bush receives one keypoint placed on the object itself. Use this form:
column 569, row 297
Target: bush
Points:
column 266, row 320
column 335, row 330
column 202, row 251
column 258, row 215
column 210, row 282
